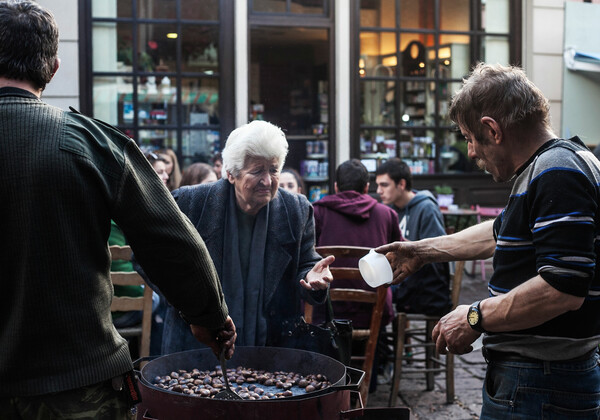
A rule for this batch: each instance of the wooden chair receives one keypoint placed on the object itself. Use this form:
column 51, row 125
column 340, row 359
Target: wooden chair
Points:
column 375, row 298
column 422, row 346
column 127, row 303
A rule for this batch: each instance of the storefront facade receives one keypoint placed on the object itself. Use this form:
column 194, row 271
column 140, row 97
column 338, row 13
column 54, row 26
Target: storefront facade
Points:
column 365, row 79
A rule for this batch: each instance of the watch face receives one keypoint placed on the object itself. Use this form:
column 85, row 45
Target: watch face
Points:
column 473, row 317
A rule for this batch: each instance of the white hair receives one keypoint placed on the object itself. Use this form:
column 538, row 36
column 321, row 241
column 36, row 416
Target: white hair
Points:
column 256, row 139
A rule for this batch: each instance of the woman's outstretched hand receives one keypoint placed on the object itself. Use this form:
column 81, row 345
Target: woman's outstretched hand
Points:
column 319, row 277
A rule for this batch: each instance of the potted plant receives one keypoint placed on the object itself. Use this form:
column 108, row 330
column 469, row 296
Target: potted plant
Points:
column 445, row 195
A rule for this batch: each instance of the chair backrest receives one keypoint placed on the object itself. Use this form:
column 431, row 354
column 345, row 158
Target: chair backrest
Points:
column 127, row 303
column 351, row 273
column 375, row 298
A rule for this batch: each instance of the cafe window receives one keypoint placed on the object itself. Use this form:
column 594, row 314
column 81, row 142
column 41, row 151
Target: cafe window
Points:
column 302, row 7
column 156, row 70
column 290, row 82
column 410, row 56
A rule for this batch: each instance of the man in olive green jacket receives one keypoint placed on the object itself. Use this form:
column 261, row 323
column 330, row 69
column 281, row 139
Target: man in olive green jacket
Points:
column 66, row 177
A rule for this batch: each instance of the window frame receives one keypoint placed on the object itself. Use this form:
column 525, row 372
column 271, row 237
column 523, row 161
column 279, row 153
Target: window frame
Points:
column 476, row 35
column 225, row 75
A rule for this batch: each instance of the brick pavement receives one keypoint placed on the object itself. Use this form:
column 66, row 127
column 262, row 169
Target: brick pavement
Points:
column 469, row 371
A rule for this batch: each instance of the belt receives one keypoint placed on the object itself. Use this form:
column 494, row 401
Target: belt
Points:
column 502, row 356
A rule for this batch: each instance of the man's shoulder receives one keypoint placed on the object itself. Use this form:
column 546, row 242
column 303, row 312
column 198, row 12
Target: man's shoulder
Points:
column 384, row 208
column 562, row 154
column 79, row 122
column 424, row 200
column 96, row 141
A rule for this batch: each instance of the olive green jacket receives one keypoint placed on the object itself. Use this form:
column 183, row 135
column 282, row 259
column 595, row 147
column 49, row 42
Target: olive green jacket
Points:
column 65, row 176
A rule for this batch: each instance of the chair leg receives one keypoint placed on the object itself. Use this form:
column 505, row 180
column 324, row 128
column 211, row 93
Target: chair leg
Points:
column 398, row 353
column 429, row 354
column 483, row 270
column 450, row 378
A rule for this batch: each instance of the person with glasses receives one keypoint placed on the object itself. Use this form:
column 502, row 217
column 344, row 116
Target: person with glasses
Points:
column 61, row 356
column 159, row 164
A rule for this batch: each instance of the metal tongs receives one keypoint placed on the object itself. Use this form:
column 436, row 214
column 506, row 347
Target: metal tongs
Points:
column 226, row 393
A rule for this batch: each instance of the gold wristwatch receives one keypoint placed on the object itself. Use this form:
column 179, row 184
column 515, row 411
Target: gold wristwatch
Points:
column 474, row 317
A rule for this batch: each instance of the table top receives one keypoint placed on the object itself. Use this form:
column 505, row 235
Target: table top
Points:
column 459, row 212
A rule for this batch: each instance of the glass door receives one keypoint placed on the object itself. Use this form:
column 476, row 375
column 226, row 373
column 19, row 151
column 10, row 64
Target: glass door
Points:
column 289, row 87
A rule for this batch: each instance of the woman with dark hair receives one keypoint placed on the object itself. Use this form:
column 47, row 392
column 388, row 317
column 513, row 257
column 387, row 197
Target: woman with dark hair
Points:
column 291, row 180
column 198, row 173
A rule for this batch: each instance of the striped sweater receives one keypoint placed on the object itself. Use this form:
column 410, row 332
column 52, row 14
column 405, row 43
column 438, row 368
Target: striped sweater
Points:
column 550, row 227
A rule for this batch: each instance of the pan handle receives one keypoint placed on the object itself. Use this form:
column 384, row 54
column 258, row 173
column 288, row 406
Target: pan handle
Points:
column 355, row 378
column 355, row 412
column 146, row 416
column 137, row 367
column 143, row 359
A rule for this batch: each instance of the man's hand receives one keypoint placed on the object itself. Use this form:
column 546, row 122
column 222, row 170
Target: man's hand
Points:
column 403, row 258
column 319, row 277
column 453, row 333
column 223, row 338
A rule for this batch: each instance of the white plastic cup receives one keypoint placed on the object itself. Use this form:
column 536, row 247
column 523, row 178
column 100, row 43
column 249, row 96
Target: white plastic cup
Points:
column 375, row 269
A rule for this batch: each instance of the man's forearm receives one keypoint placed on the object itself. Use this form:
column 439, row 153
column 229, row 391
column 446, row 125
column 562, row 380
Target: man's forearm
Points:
column 474, row 243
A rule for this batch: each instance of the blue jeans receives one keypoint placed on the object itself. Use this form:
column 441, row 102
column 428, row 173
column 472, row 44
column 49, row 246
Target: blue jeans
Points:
column 545, row 390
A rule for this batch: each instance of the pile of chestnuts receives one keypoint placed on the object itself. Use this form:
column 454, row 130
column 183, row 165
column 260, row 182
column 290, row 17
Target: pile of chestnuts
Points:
column 248, row 383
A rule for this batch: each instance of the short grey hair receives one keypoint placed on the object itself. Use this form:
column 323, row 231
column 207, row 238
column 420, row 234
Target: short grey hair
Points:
column 503, row 93
column 256, row 139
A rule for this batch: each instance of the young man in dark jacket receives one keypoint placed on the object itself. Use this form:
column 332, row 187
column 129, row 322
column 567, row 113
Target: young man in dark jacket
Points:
column 426, row 291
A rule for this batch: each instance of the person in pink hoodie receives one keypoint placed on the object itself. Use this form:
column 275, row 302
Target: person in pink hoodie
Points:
column 352, row 217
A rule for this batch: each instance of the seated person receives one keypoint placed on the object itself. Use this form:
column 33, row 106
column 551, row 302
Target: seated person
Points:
column 352, row 217
column 131, row 318
column 428, row 290
column 117, row 237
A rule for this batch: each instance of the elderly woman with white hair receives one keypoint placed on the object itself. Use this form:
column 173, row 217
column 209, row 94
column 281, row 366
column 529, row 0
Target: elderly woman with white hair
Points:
column 260, row 237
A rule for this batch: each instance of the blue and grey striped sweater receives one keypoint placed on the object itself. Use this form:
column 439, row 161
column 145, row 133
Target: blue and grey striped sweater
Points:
column 551, row 227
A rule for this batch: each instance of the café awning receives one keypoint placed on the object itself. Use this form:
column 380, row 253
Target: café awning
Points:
column 577, row 60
